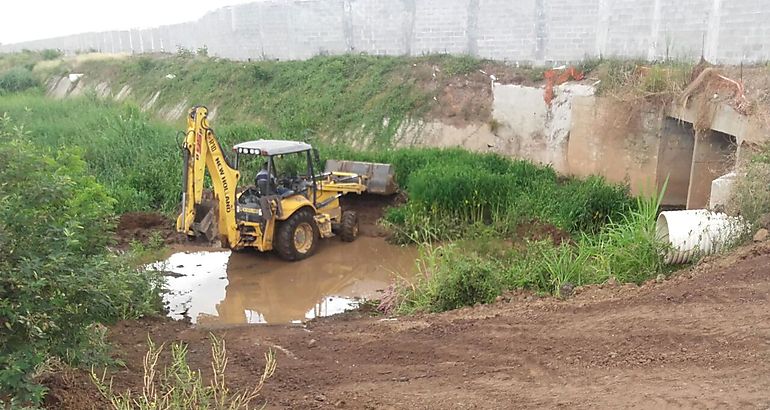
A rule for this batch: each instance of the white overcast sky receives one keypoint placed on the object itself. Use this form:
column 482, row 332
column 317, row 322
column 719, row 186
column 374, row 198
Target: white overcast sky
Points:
column 23, row 20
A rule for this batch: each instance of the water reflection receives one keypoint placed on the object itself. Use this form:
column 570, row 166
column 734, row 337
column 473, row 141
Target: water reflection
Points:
column 223, row 288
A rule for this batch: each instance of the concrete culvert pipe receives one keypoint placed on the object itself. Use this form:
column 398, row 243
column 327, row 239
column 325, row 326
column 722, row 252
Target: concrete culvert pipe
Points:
column 696, row 233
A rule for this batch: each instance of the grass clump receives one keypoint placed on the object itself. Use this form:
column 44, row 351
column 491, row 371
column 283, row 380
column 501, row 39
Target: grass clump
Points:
column 451, row 190
column 17, row 79
column 639, row 79
column 460, row 65
column 180, row 387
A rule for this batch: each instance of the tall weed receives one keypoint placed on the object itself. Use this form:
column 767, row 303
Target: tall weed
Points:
column 180, row 387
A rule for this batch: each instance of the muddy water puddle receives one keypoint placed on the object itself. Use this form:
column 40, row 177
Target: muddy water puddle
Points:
column 231, row 288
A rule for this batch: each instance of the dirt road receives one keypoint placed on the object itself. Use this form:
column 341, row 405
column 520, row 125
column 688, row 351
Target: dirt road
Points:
column 699, row 340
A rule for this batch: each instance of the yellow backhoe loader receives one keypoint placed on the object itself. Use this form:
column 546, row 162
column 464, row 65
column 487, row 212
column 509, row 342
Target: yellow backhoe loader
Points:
column 288, row 208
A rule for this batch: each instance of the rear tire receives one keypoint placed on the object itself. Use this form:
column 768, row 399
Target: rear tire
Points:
column 297, row 237
column 349, row 226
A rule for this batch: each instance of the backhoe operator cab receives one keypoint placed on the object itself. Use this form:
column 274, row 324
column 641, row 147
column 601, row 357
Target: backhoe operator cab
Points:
column 287, row 211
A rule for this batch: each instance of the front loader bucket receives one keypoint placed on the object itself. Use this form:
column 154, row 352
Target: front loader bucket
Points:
column 380, row 178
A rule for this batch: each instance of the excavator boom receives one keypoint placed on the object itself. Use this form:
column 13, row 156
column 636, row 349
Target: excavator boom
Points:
column 211, row 217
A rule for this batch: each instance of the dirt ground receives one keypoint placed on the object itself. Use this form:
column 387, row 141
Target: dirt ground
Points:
column 700, row 339
column 142, row 226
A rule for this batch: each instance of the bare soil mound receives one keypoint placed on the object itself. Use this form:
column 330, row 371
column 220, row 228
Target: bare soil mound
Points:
column 141, row 226
column 370, row 209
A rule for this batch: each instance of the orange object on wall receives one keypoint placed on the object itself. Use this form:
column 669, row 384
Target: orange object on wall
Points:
column 554, row 77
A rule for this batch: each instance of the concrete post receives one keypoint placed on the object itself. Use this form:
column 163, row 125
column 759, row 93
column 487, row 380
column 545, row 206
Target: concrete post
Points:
column 713, row 156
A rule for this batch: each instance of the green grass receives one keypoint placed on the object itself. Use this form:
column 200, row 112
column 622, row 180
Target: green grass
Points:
column 341, row 97
column 135, row 158
column 479, row 268
column 750, row 197
column 17, row 79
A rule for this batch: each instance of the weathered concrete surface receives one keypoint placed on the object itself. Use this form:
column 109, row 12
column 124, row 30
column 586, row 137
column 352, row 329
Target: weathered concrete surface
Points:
column 475, row 137
column 539, row 31
column 713, row 156
column 615, row 140
column 522, row 126
column 722, row 190
column 677, row 142
column 531, row 129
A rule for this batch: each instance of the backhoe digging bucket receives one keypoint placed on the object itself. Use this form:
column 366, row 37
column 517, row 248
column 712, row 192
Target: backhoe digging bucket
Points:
column 206, row 221
column 380, row 178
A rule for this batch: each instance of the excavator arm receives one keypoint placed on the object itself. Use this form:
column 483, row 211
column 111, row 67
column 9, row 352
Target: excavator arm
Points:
column 212, row 218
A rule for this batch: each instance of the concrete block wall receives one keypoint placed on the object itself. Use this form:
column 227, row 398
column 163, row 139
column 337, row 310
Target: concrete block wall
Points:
column 381, row 27
column 630, row 28
column 532, row 31
column 441, row 26
column 570, row 29
column 505, row 30
column 683, row 29
column 743, row 30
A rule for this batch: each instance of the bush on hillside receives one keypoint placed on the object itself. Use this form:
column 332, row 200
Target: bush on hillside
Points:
column 51, row 54
column 17, row 79
column 481, row 267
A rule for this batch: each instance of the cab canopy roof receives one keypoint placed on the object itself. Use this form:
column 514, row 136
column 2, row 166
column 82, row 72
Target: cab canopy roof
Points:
column 271, row 147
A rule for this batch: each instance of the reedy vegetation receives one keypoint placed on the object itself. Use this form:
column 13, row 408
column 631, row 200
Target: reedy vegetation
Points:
column 478, row 269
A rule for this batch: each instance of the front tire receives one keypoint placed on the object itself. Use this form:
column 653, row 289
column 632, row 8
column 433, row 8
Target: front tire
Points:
column 297, row 237
column 349, row 226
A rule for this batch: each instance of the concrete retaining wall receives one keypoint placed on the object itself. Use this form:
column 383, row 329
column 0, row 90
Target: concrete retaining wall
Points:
column 537, row 31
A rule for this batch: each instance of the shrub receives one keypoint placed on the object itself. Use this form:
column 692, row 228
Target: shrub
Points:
column 58, row 280
column 479, row 269
column 587, row 205
column 51, row 54
column 17, row 79
column 136, row 159
column 452, row 189
column 451, row 278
